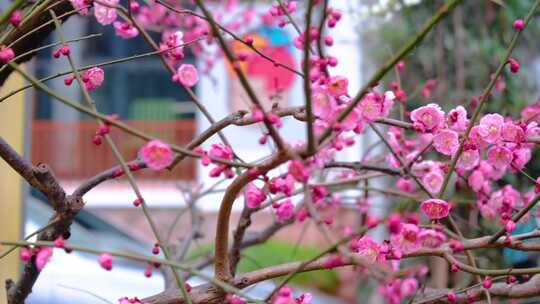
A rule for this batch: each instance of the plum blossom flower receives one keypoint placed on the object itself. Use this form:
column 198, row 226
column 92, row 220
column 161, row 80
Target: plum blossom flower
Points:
column 298, row 171
column 433, row 181
column 435, row 209
column 81, row 6
column 187, row 75
column 457, row 119
column 406, row 185
column 367, row 248
column 282, row 184
column 499, row 157
column 431, row 238
column 520, row 158
column 337, row 85
column 156, row 154
column 93, row 78
column 475, row 139
column 446, row 142
column 284, row 211
column 43, row 256
column 429, row 118
column 254, row 196
column 468, row 159
column 490, row 127
column 407, row 239
column 511, row 132
column 352, row 121
column 374, row 105
column 221, row 151
column 106, row 261
column 105, row 13
column 476, row 180
column 324, row 105
column 125, row 30
column 501, row 201
column 173, row 44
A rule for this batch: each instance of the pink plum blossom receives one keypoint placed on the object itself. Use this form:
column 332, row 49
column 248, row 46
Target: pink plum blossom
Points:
column 435, row 209
column 43, row 256
column 173, row 44
column 81, row 6
column 93, row 78
column 520, row 158
column 221, row 151
column 323, row 104
column 374, row 106
column 446, row 142
column 499, row 157
column 254, row 196
column 406, row 185
column 285, row 210
column 282, row 184
column 433, row 181
column 475, row 139
column 468, row 159
column 187, row 75
column 457, row 119
column 125, row 30
column 476, row 180
column 407, row 239
column 298, row 171
column 157, row 155
column 105, row 13
column 431, row 238
column 367, row 248
column 490, row 127
column 337, row 85
column 429, row 118
column 511, row 132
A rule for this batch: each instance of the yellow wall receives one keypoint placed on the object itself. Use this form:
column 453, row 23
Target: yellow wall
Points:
column 12, row 126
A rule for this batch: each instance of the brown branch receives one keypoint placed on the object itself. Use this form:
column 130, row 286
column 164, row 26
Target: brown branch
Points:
column 66, row 208
column 36, row 38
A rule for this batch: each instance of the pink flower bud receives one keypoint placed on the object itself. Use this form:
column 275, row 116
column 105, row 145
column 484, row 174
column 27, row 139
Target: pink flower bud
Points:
column 519, row 24
column 69, row 80
column 328, row 40
column 137, row 202
column 148, row 271
column 514, row 65
column 6, row 54
column 15, row 18
column 451, row 296
column 59, row 242
column 454, row 268
column 487, row 283
column 26, row 254
column 105, row 261
column 65, row 50
column 510, row 226
column 97, row 140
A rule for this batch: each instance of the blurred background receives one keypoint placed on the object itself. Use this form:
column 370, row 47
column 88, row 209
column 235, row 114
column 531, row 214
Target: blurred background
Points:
column 455, row 62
